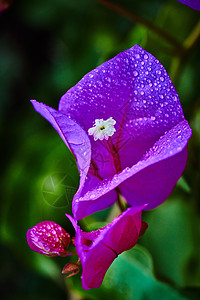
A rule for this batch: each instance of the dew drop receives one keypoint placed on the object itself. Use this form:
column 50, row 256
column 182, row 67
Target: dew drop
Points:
column 158, row 72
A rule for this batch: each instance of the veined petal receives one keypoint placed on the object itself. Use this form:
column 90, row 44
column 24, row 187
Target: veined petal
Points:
column 166, row 160
column 135, row 90
column 105, row 244
column 83, row 206
column 72, row 134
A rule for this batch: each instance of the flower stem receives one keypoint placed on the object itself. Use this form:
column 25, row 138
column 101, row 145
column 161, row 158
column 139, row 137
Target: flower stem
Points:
column 119, row 200
column 135, row 18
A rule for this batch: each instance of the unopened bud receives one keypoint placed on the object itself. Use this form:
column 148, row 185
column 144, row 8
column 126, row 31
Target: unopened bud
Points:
column 71, row 269
column 48, row 238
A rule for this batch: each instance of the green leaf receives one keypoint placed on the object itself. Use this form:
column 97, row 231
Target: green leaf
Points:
column 170, row 239
column 130, row 277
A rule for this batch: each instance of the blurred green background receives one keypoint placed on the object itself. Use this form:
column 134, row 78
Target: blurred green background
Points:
column 47, row 46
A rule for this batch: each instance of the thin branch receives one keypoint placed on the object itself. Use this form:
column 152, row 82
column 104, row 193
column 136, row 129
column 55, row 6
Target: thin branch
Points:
column 193, row 37
column 137, row 19
column 178, row 63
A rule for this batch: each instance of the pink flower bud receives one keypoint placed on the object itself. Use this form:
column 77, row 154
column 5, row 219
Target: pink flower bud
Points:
column 71, row 269
column 48, row 238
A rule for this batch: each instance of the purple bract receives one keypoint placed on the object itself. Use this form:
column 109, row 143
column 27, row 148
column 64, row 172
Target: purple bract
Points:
column 195, row 4
column 124, row 124
column 98, row 249
column 48, row 238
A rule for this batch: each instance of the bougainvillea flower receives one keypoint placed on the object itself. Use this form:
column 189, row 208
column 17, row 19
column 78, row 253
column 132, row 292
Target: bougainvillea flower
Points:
column 48, row 238
column 98, row 249
column 124, row 123
column 195, row 4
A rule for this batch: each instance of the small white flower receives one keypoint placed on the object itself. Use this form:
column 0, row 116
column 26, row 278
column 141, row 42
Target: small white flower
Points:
column 102, row 129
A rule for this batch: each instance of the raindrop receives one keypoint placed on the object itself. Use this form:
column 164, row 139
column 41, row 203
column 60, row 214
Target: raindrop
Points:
column 135, row 73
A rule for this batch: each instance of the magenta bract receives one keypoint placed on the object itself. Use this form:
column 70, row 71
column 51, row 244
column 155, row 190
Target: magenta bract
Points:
column 146, row 154
column 195, row 4
column 48, row 238
column 98, row 249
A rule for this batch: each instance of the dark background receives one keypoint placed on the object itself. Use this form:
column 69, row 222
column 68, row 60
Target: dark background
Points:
column 47, row 46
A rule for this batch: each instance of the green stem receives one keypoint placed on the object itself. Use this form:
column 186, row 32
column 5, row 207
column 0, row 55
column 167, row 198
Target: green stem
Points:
column 120, row 205
column 179, row 62
column 193, row 37
column 137, row 19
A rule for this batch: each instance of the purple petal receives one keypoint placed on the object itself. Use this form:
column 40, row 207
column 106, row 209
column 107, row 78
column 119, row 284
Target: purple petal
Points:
column 84, row 206
column 72, row 134
column 134, row 89
column 195, row 4
column 48, row 238
column 98, row 249
column 163, row 164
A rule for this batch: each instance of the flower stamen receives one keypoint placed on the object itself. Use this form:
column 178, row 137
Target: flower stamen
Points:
column 102, row 129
